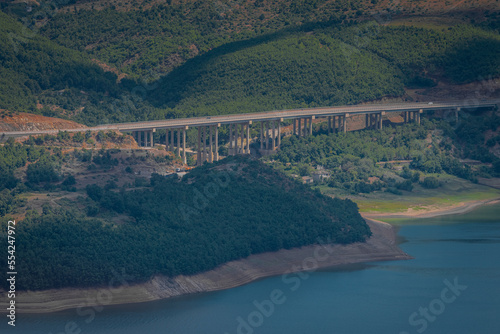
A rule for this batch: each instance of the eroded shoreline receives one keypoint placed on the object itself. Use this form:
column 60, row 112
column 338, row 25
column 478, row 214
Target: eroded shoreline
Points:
column 456, row 209
column 380, row 247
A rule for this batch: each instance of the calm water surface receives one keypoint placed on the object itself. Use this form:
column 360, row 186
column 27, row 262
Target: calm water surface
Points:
column 452, row 286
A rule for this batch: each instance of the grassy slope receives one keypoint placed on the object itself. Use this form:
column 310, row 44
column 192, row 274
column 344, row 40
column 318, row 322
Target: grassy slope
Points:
column 453, row 191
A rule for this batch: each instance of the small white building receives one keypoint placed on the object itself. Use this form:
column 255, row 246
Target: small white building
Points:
column 320, row 175
column 307, row 180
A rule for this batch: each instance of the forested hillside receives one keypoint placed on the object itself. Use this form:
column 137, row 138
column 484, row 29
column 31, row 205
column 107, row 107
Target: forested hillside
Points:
column 215, row 214
column 35, row 70
column 361, row 161
column 186, row 58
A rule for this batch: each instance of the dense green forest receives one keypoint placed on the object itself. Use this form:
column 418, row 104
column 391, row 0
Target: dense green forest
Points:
column 215, row 214
column 181, row 65
column 167, row 34
column 223, row 211
column 196, row 58
column 352, row 157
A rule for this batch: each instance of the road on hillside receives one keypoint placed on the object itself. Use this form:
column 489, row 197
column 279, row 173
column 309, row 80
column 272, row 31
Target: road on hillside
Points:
column 270, row 115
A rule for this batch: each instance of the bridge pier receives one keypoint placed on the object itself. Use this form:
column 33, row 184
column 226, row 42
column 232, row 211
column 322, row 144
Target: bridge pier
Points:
column 184, row 145
column 178, row 150
column 242, row 139
column 204, row 153
column 243, row 147
column 230, row 150
column 217, row 142
column 211, row 149
column 248, row 137
column 279, row 132
column 344, row 122
column 262, row 133
column 267, row 135
column 271, row 135
column 273, row 139
column 172, row 144
column 198, row 151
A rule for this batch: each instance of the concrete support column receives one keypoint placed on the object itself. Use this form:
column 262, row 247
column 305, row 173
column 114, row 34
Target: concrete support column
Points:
column 230, row 136
column 198, row 151
column 242, row 138
column 300, row 127
column 211, row 149
column 267, row 135
column 217, row 142
column 235, row 137
column 294, row 127
column 279, row 132
column 172, row 144
column 311, row 125
column 184, row 145
column 382, row 113
column 204, row 145
column 178, row 142
column 262, row 134
column 273, row 138
column 248, row 137
column 456, row 115
column 344, row 122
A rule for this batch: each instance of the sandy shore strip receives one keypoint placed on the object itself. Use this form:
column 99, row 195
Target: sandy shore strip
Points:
column 380, row 247
column 459, row 208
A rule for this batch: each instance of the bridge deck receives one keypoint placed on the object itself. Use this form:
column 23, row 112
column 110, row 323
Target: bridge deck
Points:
column 271, row 115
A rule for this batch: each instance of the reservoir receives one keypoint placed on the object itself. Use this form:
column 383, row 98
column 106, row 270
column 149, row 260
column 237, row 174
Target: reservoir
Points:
column 451, row 286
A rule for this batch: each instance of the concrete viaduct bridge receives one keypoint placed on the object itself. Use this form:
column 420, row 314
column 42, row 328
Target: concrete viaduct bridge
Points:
column 270, row 125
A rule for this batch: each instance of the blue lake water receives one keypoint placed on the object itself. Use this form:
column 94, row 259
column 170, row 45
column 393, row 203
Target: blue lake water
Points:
column 452, row 286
